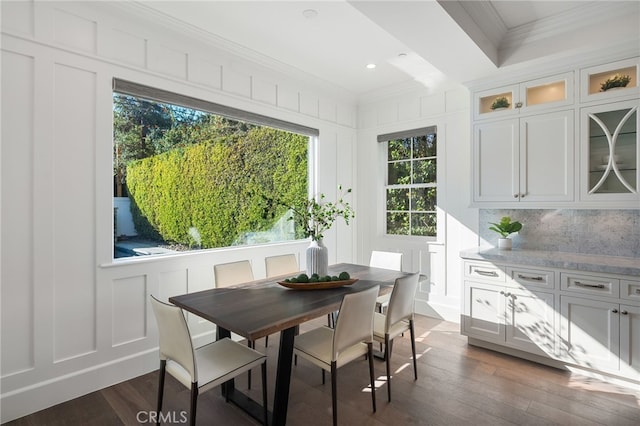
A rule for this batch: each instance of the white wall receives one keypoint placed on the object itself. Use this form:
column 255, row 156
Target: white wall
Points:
column 439, row 260
column 73, row 320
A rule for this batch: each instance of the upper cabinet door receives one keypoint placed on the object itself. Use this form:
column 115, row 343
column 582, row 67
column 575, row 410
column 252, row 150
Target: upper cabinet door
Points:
column 496, row 103
column 547, row 157
column 610, row 81
column 496, row 161
column 548, row 92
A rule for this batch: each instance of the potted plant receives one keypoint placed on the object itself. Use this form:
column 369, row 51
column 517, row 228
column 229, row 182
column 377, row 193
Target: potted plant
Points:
column 617, row 80
column 505, row 228
column 314, row 217
column 500, row 103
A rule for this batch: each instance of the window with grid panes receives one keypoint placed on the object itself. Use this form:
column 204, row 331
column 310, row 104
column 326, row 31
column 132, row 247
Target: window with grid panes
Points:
column 411, row 186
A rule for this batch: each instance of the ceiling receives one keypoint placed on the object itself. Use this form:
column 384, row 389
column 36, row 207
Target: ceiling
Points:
column 409, row 41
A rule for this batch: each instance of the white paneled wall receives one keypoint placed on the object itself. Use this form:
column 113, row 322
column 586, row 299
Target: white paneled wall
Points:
column 439, row 295
column 73, row 320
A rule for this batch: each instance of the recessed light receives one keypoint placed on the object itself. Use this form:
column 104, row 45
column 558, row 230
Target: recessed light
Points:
column 309, row 13
column 371, row 66
column 402, row 55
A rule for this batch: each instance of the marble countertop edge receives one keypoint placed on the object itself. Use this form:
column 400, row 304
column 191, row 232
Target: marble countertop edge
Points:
column 555, row 259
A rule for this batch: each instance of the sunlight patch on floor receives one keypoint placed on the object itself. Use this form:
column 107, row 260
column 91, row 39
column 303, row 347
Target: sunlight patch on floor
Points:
column 601, row 384
column 379, row 382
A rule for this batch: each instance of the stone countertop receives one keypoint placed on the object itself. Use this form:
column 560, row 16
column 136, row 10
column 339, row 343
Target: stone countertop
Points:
column 555, row 259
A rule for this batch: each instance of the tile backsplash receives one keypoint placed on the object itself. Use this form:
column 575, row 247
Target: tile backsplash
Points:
column 605, row 232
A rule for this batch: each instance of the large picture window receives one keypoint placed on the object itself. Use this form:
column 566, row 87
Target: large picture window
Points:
column 192, row 175
column 411, row 184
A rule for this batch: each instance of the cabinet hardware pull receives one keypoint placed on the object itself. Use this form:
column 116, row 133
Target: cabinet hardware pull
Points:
column 486, row 273
column 615, row 311
column 624, row 313
column 524, row 277
column 522, row 195
column 516, row 195
column 579, row 284
column 637, row 290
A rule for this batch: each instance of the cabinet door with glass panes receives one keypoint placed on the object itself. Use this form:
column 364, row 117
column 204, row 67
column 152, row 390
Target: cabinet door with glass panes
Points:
column 411, row 187
column 610, row 152
column 610, row 81
column 530, row 96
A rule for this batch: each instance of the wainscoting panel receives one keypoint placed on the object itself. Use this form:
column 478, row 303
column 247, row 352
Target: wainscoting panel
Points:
column 166, row 60
column 129, row 309
column 126, row 48
column 17, row 210
column 73, row 245
column 75, row 31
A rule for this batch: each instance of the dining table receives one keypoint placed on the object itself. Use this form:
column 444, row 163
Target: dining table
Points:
column 263, row 307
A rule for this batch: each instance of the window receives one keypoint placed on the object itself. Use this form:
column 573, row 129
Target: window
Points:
column 190, row 174
column 411, row 184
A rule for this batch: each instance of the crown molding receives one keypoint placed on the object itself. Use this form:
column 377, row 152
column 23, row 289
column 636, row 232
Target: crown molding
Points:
column 589, row 14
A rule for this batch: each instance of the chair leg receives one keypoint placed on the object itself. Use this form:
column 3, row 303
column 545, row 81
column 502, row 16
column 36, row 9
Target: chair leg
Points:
column 387, row 358
column 264, row 392
column 413, row 349
column 372, row 375
column 322, row 375
column 163, row 370
column 266, row 341
column 194, row 402
column 334, row 392
column 252, row 345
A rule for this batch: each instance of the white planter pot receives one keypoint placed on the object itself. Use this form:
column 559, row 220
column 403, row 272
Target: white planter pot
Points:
column 504, row 243
column 317, row 259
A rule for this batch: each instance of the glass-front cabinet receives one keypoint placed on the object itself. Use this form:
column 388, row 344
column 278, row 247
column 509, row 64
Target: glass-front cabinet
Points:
column 529, row 96
column 610, row 81
column 611, row 152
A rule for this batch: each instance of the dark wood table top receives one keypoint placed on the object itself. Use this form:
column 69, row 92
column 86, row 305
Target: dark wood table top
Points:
column 263, row 307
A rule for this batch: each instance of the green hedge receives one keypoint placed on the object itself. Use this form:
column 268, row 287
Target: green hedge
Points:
column 218, row 186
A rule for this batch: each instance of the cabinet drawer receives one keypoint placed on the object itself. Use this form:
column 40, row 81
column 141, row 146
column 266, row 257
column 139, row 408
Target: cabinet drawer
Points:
column 591, row 284
column 484, row 271
column 532, row 277
column 630, row 290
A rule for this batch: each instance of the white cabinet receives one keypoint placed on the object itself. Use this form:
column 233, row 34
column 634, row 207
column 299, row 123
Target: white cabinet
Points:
column 501, row 310
column 529, row 96
column 595, row 81
column 600, row 327
column 590, row 332
column 600, row 335
column 630, row 341
column 577, row 318
column 524, row 160
column 610, row 153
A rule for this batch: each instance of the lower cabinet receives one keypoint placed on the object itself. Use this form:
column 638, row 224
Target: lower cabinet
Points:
column 589, row 320
column 600, row 335
column 518, row 318
column 590, row 333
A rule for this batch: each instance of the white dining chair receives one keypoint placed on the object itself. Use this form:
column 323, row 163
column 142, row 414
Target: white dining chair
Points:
column 397, row 319
column 204, row 368
column 351, row 338
column 233, row 273
column 385, row 260
column 281, row 265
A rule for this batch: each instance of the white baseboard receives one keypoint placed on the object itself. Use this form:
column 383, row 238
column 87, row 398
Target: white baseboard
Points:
column 39, row 396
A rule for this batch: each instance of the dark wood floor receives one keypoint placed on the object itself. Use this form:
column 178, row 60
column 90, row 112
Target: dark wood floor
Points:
column 457, row 385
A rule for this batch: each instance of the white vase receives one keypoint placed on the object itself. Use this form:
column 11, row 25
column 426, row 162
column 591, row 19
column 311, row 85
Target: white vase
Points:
column 504, row 243
column 317, row 258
